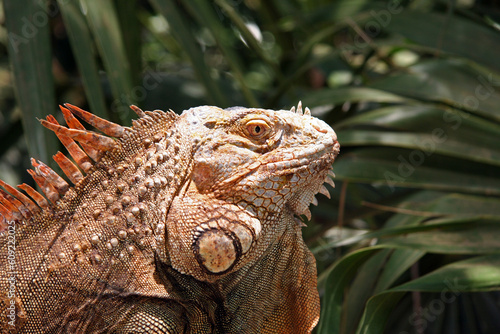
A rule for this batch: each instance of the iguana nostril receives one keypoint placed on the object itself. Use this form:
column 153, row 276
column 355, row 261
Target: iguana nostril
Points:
column 216, row 250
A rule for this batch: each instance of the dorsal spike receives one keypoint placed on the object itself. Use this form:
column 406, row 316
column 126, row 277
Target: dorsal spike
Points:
column 292, row 109
column 3, row 223
column 109, row 128
column 52, row 177
column 307, row 111
column 73, row 123
column 37, row 197
column 138, row 111
column 68, row 167
column 98, row 141
column 28, row 203
column 48, row 189
column 11, row 204
column 299, row 108
column 5, row 212
column 81, row 158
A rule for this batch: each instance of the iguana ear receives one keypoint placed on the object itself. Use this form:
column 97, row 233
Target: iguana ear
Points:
column 206, row 237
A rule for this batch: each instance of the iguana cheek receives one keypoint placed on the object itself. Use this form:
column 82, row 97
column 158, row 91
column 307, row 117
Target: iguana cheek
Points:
column 216, row 251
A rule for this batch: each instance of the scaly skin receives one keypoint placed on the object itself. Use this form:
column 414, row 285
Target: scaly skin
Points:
column 183, row 224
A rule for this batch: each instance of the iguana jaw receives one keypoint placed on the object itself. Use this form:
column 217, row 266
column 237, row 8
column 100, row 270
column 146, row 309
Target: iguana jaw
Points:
column 309, row 180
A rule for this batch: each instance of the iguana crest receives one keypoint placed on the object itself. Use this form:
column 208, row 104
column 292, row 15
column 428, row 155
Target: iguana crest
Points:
column 178, row 224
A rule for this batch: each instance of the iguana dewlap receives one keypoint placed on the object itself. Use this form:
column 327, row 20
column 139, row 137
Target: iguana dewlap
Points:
column 178, row 224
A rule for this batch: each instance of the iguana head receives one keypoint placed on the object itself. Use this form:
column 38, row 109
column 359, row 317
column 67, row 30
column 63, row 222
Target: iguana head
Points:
column 250, row 169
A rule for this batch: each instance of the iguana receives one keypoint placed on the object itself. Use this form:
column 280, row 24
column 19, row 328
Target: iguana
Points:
column 177, row 224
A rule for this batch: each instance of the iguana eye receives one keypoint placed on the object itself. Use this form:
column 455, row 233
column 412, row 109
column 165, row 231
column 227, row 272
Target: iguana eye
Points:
column 257, row 128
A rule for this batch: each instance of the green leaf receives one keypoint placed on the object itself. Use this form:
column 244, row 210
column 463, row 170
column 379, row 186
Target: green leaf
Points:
column 472, row 238
column 180, row 29
column 451, row 81
column 477, row 274
column 400, row 261
column 103, row 22
column 394, row 168
column 83, row 48
column 375, row 275
column 130, row 28
column 453, row 34
column 475, row 235
column 361, row 289
column 29, row 49
column 204, row 12
column 327, row 96
column 435, row 143
column 338, row 279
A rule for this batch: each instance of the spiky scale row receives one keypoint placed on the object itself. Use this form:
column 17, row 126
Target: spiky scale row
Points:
column 98, row 141
column 11, row 204
column 306, row 112
column 47, row 188
column 68, row 167
column 52, row 177
column 82, row 160
column 109, row 128
column 138, row 111
column 73, row 123
column 39, row 199
column 14, row 205
column 28, row 203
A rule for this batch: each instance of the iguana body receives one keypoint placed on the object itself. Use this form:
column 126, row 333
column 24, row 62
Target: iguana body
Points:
column 182, row 224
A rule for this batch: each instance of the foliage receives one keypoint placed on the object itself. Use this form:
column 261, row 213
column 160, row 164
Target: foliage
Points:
column 410, row 241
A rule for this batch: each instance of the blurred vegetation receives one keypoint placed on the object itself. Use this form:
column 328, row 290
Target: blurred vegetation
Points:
column 410, row 241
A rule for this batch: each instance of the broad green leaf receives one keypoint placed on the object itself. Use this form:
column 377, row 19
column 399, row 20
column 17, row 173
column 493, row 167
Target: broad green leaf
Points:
column 436, row 143
column 413, row 168
column 180, row 29
column 103, row 22
column 453, row 82
column 375, row 275
column 247, row 35
column 477, row 237
column 453, row 34
column 477, row 274
column 205, row 14
column 361, row 289
column 442, row 123
column 476, row 234
column 399, row 261
column 130, row 28
column 338, row 279
column 413, row 210
column 83, row 48
column 29, row 49
column 328, row 96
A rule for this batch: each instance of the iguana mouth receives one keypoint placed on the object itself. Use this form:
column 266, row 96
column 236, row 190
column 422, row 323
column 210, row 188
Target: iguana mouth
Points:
column 316, row 174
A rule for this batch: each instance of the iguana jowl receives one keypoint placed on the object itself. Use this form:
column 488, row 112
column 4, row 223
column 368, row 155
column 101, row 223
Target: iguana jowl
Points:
column 181, row 224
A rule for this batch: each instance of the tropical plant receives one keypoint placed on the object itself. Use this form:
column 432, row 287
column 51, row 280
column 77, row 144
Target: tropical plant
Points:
column 410, row 241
